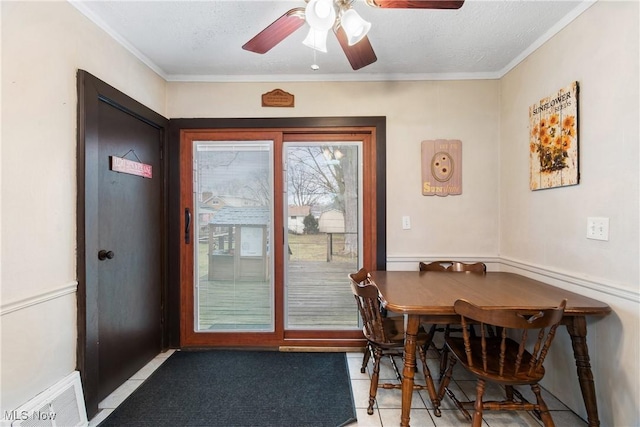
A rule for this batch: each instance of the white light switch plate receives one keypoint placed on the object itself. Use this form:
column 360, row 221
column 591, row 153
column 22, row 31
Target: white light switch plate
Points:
column 406, row 222
column 598, row 228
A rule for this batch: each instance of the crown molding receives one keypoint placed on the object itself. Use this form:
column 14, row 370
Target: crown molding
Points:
column 351, row 77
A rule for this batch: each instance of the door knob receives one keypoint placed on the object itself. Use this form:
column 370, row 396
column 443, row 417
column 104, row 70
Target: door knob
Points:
column 102, row 255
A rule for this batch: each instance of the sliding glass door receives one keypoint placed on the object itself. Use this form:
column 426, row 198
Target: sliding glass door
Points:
column 233, row 202
column 272, row 224
column 323, row 217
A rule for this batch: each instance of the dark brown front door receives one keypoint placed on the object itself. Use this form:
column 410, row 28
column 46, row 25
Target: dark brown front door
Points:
column 121, row 223
column 129, row 227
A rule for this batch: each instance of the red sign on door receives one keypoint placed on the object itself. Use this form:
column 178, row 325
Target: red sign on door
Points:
column 118, row 164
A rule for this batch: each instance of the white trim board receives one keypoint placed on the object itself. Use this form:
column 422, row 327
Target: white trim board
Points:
column 20, row 304
column 544, row 274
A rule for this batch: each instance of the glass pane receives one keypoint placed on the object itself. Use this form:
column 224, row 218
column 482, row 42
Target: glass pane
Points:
column 233, row 184
column 323, row 238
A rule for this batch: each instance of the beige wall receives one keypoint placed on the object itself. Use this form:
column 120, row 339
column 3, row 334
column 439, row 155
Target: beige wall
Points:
column 555, row 220
column 43, row 44
column 537, row 233
column 415, row 111
column 543, row 233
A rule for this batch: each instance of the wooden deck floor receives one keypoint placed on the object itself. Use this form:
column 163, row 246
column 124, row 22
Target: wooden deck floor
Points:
column 317, row 297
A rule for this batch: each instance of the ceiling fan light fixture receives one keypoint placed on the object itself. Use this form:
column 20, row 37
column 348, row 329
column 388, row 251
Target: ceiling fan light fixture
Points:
column 316, row 39
column 354, row 26
column 320, row 14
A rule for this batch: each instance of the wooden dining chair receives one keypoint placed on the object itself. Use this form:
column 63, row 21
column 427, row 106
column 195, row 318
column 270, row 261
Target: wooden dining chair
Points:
column 449, row 267
column 362, row 278
column 453, row 266
column 503, row 360
column 385, row 337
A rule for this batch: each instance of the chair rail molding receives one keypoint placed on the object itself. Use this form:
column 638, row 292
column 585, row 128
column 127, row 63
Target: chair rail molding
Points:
column 550, row 276
column 545, row 274
column 23, row 303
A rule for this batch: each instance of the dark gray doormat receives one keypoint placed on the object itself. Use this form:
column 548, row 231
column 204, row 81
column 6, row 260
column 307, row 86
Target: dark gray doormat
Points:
column 242, row 388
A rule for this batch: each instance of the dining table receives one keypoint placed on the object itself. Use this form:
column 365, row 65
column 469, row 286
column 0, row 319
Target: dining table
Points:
column 428, row 297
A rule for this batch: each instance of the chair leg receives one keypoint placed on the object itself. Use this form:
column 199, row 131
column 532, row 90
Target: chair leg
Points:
column 444, row 384
column 373, row 389
column 477, row 415
column 444, row 356
column 429, row 342
column 508, row 389
column 544, row 411
column 429, row 382
column 394, row 366
column 516, row 394
column 365, row 359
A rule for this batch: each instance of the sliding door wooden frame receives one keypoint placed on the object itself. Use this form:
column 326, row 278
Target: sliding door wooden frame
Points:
column 190, row 337
column 300, row 337
column 369, row 129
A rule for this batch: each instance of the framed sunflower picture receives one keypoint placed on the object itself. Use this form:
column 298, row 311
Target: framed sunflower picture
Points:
column 553, row 140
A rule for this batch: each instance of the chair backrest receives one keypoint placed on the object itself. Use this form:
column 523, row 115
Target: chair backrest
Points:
column 530, row 354
column 360, row 276
column 434, row 266
column 476, row 267
column 366, row 294
column 453, row 266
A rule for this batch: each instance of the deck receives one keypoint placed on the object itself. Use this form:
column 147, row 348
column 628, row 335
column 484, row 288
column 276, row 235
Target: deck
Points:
column 318, row 296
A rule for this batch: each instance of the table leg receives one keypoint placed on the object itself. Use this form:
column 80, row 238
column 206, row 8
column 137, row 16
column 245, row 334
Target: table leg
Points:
column 413, row 323
column 577, row 328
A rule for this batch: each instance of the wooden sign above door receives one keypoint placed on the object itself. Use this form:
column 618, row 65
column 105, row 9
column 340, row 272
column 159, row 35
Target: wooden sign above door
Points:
column 277, row 98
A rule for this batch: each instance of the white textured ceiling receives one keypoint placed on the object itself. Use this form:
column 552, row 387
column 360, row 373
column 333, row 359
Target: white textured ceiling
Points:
column 202, row 40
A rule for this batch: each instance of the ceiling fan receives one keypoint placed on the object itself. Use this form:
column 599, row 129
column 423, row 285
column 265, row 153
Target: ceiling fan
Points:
column 349, row 28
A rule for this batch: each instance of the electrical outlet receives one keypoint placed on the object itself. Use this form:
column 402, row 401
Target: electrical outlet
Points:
column 406, row 222
column 598, row 228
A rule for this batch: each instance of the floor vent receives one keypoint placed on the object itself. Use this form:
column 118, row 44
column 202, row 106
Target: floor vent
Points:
column 61, row 405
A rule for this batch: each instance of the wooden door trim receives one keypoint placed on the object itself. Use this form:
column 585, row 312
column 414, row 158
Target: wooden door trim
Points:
column 367, row 136
column 91, row 92
column 189, row 337
column 376, row 126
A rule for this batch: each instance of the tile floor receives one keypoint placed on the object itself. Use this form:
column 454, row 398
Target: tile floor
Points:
column 121, row 393
column 387, row 409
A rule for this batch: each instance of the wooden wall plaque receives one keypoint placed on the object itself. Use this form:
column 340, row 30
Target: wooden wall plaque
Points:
column 277, row 98
column 441, row 167
column 553, row 140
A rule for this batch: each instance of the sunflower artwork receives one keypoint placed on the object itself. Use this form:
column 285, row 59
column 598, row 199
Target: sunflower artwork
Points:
column 553, row 143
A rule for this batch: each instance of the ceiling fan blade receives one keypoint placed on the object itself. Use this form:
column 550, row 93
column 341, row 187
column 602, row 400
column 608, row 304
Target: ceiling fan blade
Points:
column 360, row 54
column 277, row 31
column 416, row 4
